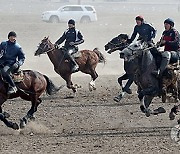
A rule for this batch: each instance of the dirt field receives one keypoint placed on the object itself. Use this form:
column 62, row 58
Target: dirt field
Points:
column 91, row 122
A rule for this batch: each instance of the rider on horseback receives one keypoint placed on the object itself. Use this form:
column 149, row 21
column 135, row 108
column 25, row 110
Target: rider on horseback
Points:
column 170, row 40
column 11, row 58
column 73, row 37
column 147, row 33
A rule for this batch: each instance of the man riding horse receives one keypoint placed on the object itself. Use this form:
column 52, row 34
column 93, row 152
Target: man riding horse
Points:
column 146, row 32
column 170, row 40
column 73, row 38
column 11, row 58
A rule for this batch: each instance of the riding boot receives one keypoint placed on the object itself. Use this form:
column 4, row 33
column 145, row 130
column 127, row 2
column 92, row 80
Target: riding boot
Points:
column 75, row 67
column 164, row 62
column 12, row 87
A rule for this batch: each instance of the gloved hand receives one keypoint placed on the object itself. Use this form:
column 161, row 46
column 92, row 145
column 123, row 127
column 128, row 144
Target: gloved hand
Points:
column 15, row 66
column 71, row 43
column 56, row 46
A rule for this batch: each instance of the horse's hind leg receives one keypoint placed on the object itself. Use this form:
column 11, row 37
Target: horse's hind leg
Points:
column 94, row 75
column 69, row 83
column 30, row 114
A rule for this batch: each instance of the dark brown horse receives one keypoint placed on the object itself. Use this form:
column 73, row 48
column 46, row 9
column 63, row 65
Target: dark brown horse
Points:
column 87, row 62
column 30, row 89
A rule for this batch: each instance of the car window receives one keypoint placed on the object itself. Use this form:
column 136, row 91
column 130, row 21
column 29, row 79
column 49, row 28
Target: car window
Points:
column 78, row 8
column 89, row 8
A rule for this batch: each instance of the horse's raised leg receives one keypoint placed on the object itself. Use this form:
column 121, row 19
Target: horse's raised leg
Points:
column 122, row 92
column 94, row 75
column 30, row 114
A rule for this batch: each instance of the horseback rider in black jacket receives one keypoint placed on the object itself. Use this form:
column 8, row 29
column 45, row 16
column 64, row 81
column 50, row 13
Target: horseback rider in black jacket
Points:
column 73, row 38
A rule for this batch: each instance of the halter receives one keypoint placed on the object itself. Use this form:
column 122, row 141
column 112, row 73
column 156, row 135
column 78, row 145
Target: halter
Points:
column 40, row 48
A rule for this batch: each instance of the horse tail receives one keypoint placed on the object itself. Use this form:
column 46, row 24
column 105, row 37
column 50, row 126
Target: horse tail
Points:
column 100, row 56
column 51, row 88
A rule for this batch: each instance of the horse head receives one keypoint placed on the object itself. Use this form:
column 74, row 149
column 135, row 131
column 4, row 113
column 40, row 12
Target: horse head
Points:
column 134, row 50
column 44, row 47
column 115, row 43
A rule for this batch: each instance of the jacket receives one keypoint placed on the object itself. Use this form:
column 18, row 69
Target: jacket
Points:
column 11, row 53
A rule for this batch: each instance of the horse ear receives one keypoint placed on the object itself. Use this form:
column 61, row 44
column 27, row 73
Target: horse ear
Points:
column 48, row 37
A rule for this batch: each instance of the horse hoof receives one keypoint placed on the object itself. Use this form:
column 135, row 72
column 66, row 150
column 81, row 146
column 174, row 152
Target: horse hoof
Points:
column 22, row 123
column 171, row 116
column 32, row 118
column 178, row 121
column 15, row 126
column 142, row 108
column 117, row 98
column 161, row 110
column 147, row 114
column 6, row 115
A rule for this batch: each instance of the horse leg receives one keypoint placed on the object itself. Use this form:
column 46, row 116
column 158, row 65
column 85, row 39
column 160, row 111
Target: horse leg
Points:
column 30, row 114
column 94, row 75
column 122, row 93
column 69, row 83
column 4, row 116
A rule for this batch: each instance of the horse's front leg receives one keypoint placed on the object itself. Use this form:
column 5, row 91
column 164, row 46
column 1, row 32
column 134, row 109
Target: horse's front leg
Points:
column 4, row 116
column 30, row 114
column 122, row 92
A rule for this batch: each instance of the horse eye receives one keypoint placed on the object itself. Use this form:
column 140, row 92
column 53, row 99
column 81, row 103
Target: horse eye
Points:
column 136, row 45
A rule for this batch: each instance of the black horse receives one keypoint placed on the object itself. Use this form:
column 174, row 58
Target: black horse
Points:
column 148, row 84
column 119, row 43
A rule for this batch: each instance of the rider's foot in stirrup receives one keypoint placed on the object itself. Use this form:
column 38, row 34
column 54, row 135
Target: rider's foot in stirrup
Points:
column 12, row 90
column 75, row 69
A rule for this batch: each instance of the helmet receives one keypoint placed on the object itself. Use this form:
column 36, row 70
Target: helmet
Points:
column 139, row 18
column 71, row 21
column 169, row 21
column 12, row 33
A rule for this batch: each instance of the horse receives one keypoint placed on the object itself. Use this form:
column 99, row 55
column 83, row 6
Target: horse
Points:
column 129, row 67
column 31, row 87
column 149, row 85
column 87, row 62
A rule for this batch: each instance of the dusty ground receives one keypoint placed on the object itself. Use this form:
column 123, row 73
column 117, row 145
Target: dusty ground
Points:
column 91, row 122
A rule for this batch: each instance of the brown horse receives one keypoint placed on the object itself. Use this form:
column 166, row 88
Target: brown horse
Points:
column 30, row 89
column 87, row 62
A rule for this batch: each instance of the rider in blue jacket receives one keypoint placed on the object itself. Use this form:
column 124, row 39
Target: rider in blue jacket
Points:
column 11, row 58
column 146, row 31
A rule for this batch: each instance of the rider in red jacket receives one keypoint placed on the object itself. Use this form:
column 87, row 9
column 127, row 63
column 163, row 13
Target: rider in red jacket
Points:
column 170, row 41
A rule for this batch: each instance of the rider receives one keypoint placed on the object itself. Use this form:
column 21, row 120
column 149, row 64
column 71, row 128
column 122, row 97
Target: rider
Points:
column 146, row 31
column 73, row 37
column 170, row 40
column 11, row 58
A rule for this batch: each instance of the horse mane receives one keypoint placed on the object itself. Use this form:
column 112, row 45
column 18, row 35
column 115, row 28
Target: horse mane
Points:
column 102, row 59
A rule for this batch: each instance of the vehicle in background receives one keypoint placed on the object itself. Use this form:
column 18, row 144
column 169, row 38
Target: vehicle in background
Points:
column 80, row 13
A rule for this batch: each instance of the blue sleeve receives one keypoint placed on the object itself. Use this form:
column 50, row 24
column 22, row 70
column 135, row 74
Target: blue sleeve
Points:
column 133, row 36
column 21, row 56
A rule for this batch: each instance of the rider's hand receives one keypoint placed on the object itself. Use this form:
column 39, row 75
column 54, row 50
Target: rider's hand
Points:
column 109, row 52
column 15, row 65
column 56, row 46
column 71, row 43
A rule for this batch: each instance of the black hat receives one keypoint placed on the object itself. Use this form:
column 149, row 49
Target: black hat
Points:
column 71, row 21
column 169, row 21
column 12, row 33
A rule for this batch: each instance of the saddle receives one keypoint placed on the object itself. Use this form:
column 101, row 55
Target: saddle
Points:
column 18, row 76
